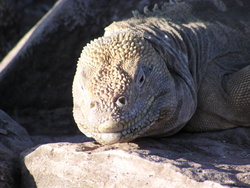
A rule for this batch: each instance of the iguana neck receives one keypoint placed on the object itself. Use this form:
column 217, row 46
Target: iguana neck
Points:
column 192, row 42
column 187, row 52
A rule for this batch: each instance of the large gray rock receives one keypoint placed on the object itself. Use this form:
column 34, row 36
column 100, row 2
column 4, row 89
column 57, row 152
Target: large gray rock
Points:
column 185, row 160
column 13, row 140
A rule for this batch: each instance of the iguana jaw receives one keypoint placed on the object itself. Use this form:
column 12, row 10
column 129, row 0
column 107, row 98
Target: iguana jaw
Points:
column 151, row 116
column 111, row 132
column 124, row 135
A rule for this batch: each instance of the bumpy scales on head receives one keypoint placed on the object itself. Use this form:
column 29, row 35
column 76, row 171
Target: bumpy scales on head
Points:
column 114, row 87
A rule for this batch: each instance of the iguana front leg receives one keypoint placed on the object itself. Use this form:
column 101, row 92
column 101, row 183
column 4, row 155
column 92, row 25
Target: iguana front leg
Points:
column 238, row 89
column 223, row 101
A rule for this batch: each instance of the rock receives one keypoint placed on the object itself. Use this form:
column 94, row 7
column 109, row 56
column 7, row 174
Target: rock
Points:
column 101, row 169
column 9, row 26
column 213, row 159
column 9, row 175
column 39, row 140
column 41, row 67
column 16, row 18
column 13, row 140
column 13, row 137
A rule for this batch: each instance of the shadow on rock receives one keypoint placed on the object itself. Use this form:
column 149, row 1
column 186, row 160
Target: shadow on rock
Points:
column 216, row 156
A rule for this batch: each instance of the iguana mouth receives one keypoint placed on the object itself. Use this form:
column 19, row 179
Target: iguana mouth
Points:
column 124, row 135
column 129, row 130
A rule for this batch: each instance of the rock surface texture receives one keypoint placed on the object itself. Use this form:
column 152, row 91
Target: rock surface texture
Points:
column 13, row 140
column 186, row 160
column 16, row 18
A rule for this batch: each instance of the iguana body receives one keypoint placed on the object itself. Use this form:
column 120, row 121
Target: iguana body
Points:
column 154, row 74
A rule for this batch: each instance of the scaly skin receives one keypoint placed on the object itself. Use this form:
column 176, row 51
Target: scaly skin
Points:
column 150, row 75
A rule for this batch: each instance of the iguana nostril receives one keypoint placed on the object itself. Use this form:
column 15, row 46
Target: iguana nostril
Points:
column 93, row 104
column 121, row 101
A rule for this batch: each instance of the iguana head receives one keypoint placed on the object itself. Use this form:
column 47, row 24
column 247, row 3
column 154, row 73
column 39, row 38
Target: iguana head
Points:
column 122, row 89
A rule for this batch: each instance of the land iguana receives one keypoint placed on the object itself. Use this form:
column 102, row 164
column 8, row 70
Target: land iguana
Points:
column 164, row 70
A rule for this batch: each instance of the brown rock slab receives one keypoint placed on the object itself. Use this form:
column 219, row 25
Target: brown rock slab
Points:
column 55, row 165
column 186, row 160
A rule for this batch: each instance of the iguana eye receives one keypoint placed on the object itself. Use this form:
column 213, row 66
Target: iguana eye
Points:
column 141, row 77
